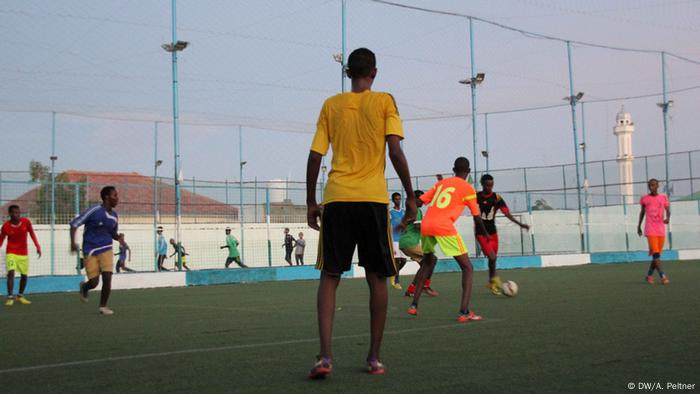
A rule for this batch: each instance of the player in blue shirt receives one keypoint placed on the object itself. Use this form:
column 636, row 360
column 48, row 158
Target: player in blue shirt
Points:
column 397, row 213
column 101, row 229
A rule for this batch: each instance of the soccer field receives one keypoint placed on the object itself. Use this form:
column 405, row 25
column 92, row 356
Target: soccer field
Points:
column 575, row 329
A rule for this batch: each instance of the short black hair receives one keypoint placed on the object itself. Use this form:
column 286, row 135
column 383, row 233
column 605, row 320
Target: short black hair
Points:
column 461, row 164
column 418, row 193
column 485, row 177
column 11, row 207
column 395, row 194
column 652, row 180
column 106, row 191
column 361, row 63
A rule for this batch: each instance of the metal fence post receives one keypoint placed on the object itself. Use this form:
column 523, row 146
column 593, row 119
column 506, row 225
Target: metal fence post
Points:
column 76, row 207
column 605, row 184
column 563, row 177
column 532, row 224
column 267, row 220
column 624, row 211
column 690, row 174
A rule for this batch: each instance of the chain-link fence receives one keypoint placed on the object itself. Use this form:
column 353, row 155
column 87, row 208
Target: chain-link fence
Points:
column 259, row 211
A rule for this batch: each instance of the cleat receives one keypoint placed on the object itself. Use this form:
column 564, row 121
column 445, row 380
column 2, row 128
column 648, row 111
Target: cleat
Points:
column 83, row 293
column 103, row 310
column 375, row 367
column 650, row 279
column 430, row 291
column 664, row 280
column 463, row 318
column 10, row 302
column 495, row 285
column 409, row 293
column 397, row 286
column 23, row 300
column 322, row 368
column 413, row 310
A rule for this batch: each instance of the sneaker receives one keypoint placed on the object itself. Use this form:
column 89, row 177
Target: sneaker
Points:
column 10, row 302
column 375, row 367
column 105, row 311
column 82, row 291
column 397, row 286
column 463, row 318
column 23, row 300
column 430, row 291
column 322, row 368
column 664, row 280
column 413, row 310
column 650, row 279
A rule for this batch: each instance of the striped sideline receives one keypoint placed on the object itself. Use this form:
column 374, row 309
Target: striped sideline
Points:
column 230, row 347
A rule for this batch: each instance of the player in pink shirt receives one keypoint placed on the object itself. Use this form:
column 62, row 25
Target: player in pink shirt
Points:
column 653, row 206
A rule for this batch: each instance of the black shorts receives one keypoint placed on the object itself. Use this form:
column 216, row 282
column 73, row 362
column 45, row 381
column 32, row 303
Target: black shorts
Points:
column 345, row 225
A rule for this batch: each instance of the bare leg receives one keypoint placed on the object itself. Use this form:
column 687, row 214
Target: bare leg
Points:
column 10, row 283
column 467, row 277
column 22, row 284
column 378, row 300
column 426, row 269
column 325, row 305
column 106, row 288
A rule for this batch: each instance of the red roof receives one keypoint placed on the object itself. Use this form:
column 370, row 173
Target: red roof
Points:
column 135, row 195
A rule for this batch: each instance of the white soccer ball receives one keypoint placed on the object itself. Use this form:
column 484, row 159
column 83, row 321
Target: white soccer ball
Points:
column 509, row 288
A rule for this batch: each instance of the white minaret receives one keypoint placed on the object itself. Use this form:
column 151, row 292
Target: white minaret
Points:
column 624, row 127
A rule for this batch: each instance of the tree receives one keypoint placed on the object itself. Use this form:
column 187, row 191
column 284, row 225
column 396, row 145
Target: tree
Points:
column 541, row 205
column 38, row 171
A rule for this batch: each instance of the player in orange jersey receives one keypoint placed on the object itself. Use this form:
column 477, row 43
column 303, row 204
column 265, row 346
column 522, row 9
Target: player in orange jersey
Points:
column 447, row 200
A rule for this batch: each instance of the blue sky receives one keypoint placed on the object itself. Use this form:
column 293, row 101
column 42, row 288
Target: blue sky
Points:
column 268, row 66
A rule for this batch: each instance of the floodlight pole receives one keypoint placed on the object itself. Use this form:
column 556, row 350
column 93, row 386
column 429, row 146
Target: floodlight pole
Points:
column 176, row 134
column 486, row 137
column 53, row 192
column 155, row 194
column 343, row 49
column 240, row 188
column 572, row 101
column 472, row 87
column 584, row 148
column 664, row 108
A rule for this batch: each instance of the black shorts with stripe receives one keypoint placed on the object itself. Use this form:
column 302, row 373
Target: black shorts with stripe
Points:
column 345, row 225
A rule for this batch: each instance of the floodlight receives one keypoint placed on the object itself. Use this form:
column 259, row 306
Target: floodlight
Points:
column 178, row 46
column 338, row 57
column 159, row 162
column 485, row 153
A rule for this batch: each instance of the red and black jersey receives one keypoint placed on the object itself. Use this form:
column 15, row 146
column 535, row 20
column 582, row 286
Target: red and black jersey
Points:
column 489, row 204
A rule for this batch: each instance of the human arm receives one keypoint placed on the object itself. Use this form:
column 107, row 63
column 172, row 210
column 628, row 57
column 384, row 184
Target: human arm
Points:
column 313, row 211
column 30, row 228
column 73, row 246
column 2, row 235
column 668, row 211
column 128, row 249
column 398, row 160
column 514, row 220
column 641, row 217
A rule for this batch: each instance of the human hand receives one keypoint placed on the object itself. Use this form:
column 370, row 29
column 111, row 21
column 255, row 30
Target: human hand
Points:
column 313, row 213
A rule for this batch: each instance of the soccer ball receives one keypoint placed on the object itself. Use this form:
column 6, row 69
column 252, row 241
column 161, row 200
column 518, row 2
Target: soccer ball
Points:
column 509, row 288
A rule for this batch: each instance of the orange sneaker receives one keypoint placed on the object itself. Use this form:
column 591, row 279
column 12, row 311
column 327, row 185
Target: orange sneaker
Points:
column 322, row 368
column 413, row 310
column 463, row 318
column 650, row 279
column 664, row 280
column 410, row 291
column 375, row 367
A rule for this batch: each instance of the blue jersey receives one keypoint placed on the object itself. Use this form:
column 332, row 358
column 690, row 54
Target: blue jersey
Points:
column 100, row 229
column 162, row 246
column 396, row 217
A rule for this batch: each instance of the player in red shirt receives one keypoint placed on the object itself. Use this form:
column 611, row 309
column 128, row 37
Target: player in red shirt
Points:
column 489, row 203
column 17, row 259
column 447, row 200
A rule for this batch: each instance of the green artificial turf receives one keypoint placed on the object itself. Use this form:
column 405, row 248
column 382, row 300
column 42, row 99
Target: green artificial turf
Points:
column 575, row 329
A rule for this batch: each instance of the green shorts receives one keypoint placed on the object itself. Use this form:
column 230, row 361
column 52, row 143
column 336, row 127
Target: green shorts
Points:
column 451, row 245
column 17, row 263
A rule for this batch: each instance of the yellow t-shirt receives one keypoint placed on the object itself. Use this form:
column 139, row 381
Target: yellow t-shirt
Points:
column 355, row 125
